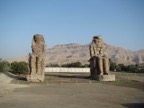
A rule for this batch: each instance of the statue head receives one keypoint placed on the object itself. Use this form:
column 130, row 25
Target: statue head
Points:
column 38, row 44
column 38, row 39
column 98, row 40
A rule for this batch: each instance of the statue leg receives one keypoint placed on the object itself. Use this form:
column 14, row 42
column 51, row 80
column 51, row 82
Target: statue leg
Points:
column 106, row 66
column 43, row 66
column 100, row 65
column 39, row 65
column 33, row 64
column 94, row 67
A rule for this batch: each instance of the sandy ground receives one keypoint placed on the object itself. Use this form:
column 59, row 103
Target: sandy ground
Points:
column 74, row 96
column 70, row 95
column 5, row 84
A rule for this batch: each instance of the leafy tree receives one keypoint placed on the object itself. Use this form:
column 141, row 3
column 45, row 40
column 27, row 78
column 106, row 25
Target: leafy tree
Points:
column 137, row 65
column 19, row 67
column 121, row 67
column 141, row 70
column 129, row 68
column 4, row 66
column 75, row 64
column 113, row 66
column 85, row 65
column 133, row 68
column 52, row 65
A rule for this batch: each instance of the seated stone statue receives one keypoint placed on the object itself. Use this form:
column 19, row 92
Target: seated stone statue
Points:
column 99, row 61
column 37, row 59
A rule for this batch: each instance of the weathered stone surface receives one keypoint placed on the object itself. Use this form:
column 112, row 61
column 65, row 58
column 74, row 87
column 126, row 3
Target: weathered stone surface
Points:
column 37, row 59
column 99, row 61
column 105, row 77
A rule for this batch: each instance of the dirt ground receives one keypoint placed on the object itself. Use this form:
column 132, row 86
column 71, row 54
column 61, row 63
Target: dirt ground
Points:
column 78, row 93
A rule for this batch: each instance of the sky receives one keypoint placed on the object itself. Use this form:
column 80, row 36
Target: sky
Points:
column 119, row 22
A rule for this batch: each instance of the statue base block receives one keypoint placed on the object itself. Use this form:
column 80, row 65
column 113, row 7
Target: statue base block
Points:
column 105, row 77
column 35, row 78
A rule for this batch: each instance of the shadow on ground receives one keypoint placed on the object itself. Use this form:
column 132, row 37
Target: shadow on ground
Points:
column 134, row 105
column 67, row 76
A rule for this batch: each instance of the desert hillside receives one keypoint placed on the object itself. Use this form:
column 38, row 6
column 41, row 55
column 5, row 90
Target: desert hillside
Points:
column 67, row 53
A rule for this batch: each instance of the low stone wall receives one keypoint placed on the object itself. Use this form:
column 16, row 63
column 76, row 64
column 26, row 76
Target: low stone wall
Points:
column 61, row 69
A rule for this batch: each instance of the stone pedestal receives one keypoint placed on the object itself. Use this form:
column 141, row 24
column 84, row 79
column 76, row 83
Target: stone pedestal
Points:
column 110, row 77
column 35, row 78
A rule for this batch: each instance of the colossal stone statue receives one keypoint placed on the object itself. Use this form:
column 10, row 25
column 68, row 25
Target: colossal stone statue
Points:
column 37, row 59
column 99, row 61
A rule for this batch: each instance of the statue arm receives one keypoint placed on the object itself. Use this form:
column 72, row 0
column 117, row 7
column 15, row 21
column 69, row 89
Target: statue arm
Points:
column 91, row 51
column 33, row 47
column 104, row 52
column 44, row 49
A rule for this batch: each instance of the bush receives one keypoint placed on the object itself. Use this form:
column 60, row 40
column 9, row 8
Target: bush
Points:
column 133, row 68
column 19, row 67
column 75, row 64
column 113, row 66
column 52, row 65
column 86, row 65
column 4, row 66
column 141, row 70
column 129, row 68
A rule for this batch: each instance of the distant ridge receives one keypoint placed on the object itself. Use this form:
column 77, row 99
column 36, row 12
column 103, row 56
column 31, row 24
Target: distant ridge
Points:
column 67, row 53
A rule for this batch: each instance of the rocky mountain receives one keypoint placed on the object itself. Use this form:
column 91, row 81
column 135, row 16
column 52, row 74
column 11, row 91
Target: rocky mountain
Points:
column 67, row 53
column 62, row 54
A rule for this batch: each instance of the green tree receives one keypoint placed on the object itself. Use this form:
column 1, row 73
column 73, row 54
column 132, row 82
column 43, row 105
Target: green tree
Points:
column 19, row 67
column 113, row 66
column 141, row 70
column 75, row 64
column 52, row 65
column 120, row 67
column 85, row 65
column 133, row 68
column 4, row 66
column 128, row 68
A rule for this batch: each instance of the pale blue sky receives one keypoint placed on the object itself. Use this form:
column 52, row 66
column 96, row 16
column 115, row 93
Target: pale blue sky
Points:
column 119, row 22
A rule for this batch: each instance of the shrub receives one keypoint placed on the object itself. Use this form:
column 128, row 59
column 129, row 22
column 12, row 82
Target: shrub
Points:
column 4, row 66
column 19, row 67
column 113, row 66
column 141, row 70
column 52, row 65
column 75, row 64
column 129, row 68
column 86, row 65
column 133, row 68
